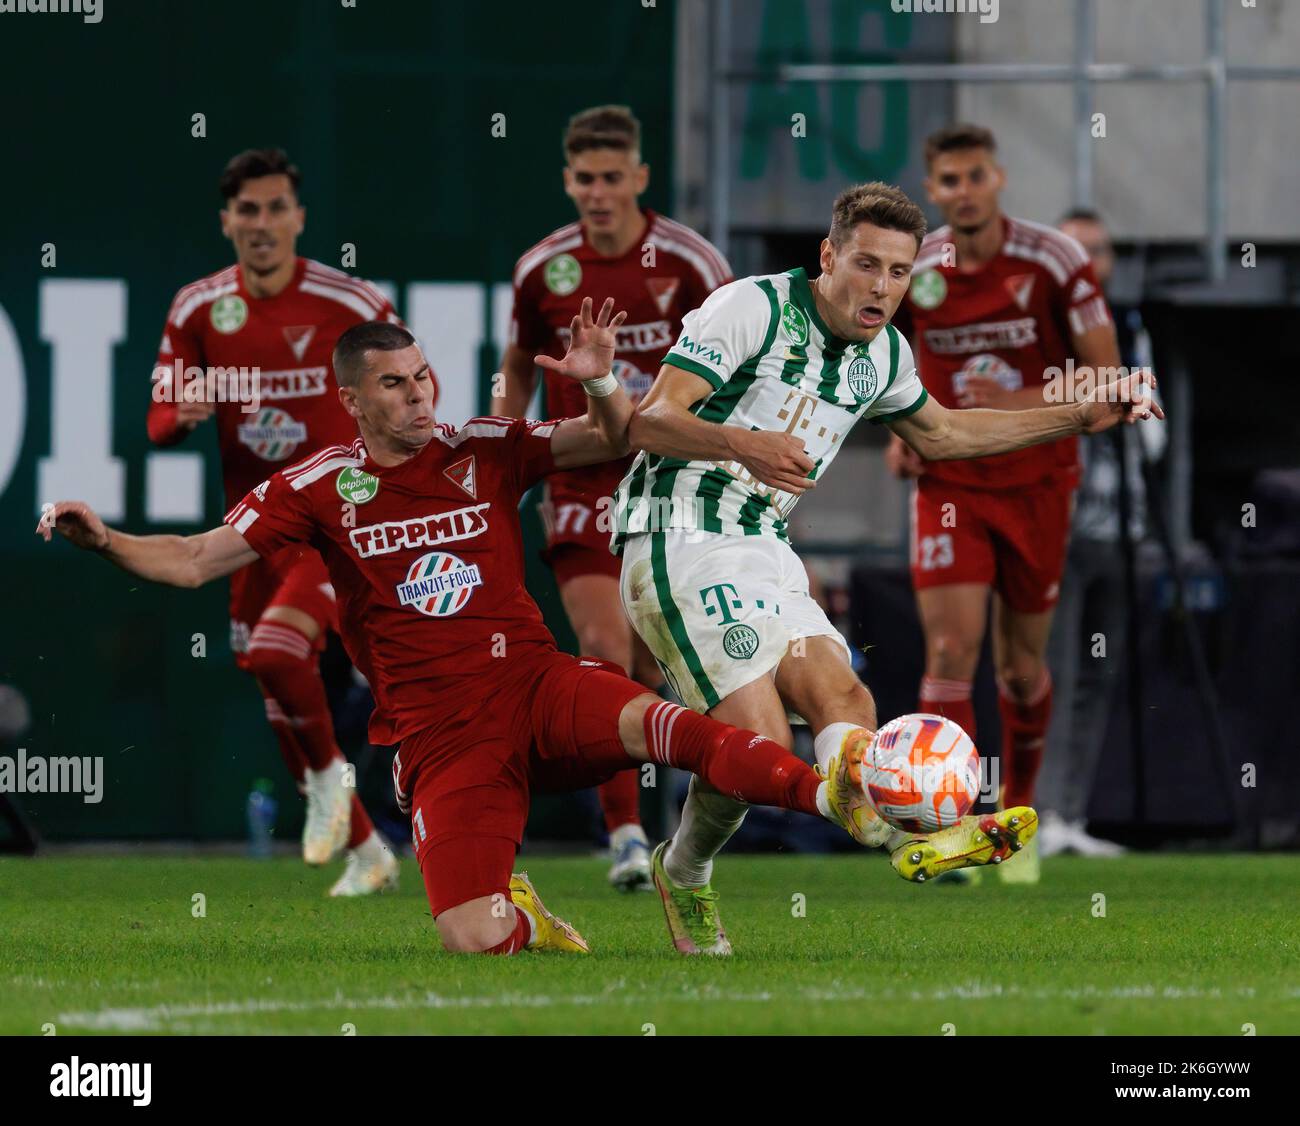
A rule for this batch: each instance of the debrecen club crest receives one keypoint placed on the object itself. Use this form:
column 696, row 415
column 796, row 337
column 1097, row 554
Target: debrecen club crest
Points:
column 439, row 584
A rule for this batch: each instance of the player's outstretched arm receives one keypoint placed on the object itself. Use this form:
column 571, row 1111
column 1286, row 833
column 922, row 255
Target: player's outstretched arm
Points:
column 664, row 424
column 600, row 434
column 939, row 434
column 187, row 561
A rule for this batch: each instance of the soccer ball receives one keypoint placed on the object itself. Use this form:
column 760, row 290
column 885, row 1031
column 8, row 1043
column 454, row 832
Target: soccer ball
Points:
column 921, row 773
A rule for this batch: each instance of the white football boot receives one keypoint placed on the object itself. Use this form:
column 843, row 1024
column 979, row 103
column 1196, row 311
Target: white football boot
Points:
column 1087, row 845
column 370, row 867
column 329, row 813
column 1055, row 835
column 630, row 852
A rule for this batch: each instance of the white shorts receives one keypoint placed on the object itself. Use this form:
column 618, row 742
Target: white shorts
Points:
column 717, row 611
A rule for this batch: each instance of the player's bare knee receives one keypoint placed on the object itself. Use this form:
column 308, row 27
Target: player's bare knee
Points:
column 952, row 656
column 471, row 933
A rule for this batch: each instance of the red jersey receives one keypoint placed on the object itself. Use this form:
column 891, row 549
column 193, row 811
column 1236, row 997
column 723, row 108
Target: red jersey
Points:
column 289, row 338
column 1010, row 320
column 426, row 559
column 550, row 282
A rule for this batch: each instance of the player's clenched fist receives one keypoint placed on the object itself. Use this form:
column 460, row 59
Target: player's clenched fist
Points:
column 75, row 520
column 777, row 460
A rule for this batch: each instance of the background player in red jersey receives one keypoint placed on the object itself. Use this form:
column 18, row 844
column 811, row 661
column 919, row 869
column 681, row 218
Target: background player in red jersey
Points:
column 418, row 521
column 280, row 314
column 994, row 305
column 657, row 270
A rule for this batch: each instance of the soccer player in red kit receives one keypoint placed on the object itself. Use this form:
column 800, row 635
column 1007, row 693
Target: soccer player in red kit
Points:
column 280, row 314
column 995, row 305
column 419, row 529
column 657, row 270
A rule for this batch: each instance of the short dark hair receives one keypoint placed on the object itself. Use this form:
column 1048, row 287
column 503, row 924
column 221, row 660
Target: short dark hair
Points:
column 958, row 138
column 877, row 203
column 371, row 336
column 252, row 164
column 1081, row 215
column 603, row 127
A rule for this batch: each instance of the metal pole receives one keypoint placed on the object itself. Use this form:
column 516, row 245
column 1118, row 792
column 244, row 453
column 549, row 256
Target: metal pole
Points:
column 1216, row 166
column 720, row 132
column 1085, row 46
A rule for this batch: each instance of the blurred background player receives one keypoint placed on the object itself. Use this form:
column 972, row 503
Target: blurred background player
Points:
column 282, row 314
column 657, row 270
column 994, row 303
column 1093, row 598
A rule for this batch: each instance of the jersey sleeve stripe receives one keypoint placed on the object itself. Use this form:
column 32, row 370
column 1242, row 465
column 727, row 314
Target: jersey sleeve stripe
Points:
column 354, row 301
column 182, row 313
column 328, row 276
column 896, row 415
column 243, row 521
column 687, row 364
column 301, row 480
column 707, row 268
column 722, row 268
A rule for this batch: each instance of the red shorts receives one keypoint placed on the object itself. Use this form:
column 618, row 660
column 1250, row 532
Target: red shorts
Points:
column 294, row 576
column 552, row 725
column 1013, row 540
column 577, row 537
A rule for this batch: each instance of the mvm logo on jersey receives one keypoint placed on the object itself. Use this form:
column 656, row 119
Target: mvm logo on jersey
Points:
column 462, row 475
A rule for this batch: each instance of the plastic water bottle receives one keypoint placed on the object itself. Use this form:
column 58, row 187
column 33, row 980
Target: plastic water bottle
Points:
column 261, row 819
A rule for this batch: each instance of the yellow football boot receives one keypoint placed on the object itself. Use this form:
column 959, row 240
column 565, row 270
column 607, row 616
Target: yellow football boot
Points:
column 549, row 932
column 989, row 838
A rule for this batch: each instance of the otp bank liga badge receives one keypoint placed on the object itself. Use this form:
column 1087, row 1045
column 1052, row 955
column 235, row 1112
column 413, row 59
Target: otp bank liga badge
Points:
column 563, row 274
column 439, row 584
column 229, row 314
column 356, row 485
column 929, row 289
column 273, row 435
column 794, row 323
column 862, row 377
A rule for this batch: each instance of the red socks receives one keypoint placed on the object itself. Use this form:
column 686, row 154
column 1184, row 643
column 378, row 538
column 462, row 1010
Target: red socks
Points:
column 620, row 799
column 1024, row 730
column 284, row 662
column 737, row 763
column 950, row 699
column 517, row 939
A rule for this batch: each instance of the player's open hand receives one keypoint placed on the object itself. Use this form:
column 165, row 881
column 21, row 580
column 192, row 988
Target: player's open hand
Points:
column 1126, row 400
column 75, row 520
column 903, row 461
column 777, row 460
column 591, row 344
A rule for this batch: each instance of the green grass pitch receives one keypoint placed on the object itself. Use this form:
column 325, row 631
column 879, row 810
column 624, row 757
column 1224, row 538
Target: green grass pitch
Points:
column 1187, row 945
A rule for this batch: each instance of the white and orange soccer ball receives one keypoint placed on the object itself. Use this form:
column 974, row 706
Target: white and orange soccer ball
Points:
column 921, row 773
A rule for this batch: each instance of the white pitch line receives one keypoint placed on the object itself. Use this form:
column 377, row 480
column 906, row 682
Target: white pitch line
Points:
column 157, row 1017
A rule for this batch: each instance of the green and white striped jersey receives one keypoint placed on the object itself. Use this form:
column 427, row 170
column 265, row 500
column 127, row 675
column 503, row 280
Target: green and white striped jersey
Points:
column 773, row 365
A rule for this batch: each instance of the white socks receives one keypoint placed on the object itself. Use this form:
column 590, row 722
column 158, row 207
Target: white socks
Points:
column 709, row 821
column 828, row 742
column 372, row 849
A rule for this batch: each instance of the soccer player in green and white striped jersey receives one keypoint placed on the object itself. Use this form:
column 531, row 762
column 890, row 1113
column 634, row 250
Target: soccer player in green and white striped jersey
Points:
column 749, row 409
